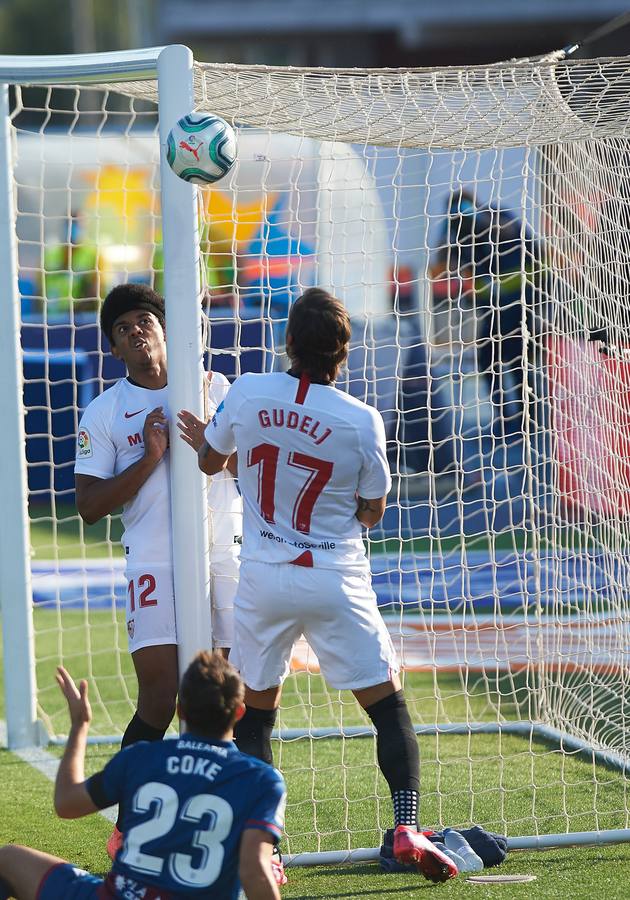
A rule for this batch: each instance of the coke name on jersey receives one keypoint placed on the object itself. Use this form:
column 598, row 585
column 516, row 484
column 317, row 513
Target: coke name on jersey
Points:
column 282, row 418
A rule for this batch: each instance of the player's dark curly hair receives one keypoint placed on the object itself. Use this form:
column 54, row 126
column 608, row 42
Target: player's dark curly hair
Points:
column 126, row 297
column 209, row 694
column 319, row 326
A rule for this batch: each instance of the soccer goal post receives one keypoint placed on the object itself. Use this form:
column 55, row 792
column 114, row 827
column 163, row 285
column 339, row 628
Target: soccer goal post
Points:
column 475, row 222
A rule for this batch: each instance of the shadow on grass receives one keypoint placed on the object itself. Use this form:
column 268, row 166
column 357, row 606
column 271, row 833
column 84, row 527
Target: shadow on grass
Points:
column 381, row 885
column 386, row 892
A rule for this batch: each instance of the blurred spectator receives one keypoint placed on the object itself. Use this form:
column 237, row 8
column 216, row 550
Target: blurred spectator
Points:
column 70, row 278
column 423, row 439
column 218, row 272
column 483, row 262
column 403, row 293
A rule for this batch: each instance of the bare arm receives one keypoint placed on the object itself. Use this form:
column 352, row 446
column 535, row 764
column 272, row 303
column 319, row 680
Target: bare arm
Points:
column 370, row 512
column 97, row 497
column 232, row 465
column 254, row 867
column 209, row 460
column 71, row 797
column 191, row 431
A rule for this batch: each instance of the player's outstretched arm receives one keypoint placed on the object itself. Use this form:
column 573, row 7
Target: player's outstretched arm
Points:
column 370, row 512
column 254, row 866
column 192, row 430
column 71, row 797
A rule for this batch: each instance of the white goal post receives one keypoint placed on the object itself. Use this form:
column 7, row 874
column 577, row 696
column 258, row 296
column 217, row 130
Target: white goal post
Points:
column 476, row 222
column 172, row 67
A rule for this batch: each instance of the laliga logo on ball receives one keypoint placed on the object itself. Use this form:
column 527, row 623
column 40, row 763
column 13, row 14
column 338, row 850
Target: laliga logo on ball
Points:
column 201, row 148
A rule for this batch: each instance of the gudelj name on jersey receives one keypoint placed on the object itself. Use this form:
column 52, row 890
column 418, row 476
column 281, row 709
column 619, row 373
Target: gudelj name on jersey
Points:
column 281, row 418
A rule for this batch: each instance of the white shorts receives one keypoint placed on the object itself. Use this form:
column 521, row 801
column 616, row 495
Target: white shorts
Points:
column 224, row 568
column 335, row 610
column 150, row 606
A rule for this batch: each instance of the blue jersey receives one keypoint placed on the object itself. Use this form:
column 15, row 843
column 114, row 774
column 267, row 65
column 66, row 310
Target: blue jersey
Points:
column 186, row 803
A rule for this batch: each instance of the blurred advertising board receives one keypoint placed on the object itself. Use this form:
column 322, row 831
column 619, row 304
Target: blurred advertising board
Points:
column 590, row 407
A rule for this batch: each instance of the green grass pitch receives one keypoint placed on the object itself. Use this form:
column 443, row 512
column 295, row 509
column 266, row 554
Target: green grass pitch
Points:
column 484, row 779
column 571, row 874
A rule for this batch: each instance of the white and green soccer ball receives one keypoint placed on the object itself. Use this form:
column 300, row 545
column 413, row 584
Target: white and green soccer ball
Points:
column 201, row 148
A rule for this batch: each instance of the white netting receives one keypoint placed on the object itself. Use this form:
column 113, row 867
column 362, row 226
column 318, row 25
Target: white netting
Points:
column 87, row 218
column 474, row 221
column 512, row 104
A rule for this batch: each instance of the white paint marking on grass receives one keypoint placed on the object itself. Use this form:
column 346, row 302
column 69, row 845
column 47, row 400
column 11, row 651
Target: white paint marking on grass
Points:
column 44, row 762
column 39, row 759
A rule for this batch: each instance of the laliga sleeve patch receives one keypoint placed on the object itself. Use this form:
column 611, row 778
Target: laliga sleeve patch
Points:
column 84, row 444
column 219, row 410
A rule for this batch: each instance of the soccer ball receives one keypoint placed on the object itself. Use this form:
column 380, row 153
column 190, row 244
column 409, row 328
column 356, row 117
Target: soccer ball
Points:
column 201, row 148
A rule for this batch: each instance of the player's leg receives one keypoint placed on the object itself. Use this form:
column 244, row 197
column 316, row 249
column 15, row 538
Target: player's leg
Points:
column 489, row 363
column 355, row 651
column 28, row 874
column 22, row 870
column 224, row 574
column 157, row 674
column 152, row 639
column 396, row 746
column 252, row 734
column 265, row 629
column 153, row 646
column 156, row 671
column 399, row 761
column 513, row 373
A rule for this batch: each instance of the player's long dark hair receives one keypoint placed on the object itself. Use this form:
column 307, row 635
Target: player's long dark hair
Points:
column 209, row 694
column 320, row 331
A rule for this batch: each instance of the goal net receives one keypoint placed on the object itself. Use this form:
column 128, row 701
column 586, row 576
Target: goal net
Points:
column 475, row 222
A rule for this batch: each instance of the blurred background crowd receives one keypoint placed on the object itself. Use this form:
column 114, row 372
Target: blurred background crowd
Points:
column 465, row 262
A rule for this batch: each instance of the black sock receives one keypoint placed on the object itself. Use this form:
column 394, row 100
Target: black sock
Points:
column 405, row 808
column 398, row 755
column 252, row 734
column 138, row 730
column 6, row 890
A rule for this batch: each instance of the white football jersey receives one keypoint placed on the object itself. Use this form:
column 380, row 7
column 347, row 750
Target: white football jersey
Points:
column 305, row 451
column 109, row 441
column 225, row 507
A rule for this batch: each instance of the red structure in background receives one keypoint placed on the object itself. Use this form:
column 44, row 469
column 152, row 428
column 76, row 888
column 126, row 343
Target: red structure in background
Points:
column 590, row 401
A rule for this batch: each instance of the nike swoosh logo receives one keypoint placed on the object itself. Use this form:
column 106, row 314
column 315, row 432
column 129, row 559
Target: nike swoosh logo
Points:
column 137, row 413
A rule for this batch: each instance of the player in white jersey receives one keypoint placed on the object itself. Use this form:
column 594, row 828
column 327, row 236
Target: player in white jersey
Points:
column 122, row 460
column 312, row 471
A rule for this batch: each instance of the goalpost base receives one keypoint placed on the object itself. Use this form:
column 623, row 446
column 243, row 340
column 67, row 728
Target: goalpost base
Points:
column 534, row 842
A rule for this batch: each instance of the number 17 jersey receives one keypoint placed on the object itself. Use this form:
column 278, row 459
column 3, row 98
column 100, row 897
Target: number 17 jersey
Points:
column 305, row 452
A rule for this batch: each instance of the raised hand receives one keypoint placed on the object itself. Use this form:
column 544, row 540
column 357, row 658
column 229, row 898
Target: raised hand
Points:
column 191, row 429
column 77, row 698
column 155, row 434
